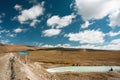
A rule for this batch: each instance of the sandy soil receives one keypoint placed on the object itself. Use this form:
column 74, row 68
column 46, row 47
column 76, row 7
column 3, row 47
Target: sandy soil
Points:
column 12, row 68
column 5, row 72
column 89, row 76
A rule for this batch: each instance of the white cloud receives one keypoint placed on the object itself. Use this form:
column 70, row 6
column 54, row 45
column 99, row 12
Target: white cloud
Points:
column 18, row 30
column 87, row 46
column 46, row 45
column 30, row 14
column 115, row 41
column 4, row 41
column 60, row 22
column 113, row 33
column 7, row 33
column 37, row 43
column 58, row 45
column 113, row 45
column 87, row 36
column 98, row 9
column 18, row 7
column 63, row 45
column 32, row 1
column 51, row 32
column 34, row 22
column 1, row 16
column 86, row 24
column 4, row 31
column 11, row 35
column 110, row 46
column 0, row 36
column 114, row 19
column 1, row 21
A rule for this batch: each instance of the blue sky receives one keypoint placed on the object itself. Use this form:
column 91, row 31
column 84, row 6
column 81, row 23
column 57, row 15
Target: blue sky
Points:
column 69, row 23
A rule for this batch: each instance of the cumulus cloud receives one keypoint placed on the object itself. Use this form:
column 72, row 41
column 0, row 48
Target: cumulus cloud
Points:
column 58, row 45
column 34, row 22
column 115, row 41
column 1, row 21
column 114, row 19
column 113, row 45
column 1, row 16
column 86, row 24
column 37, row 43
column 113, row 33
column 18, row 7
column 98, row 9
column 4, row 31
column 18, row 30
column 32, row 1
column 51, row 32
column 60, row 22
column 63, row 45
column 0, row 36
column 4, row 41
column 11, row 35
column 87, row 36
column 7, row 33
column 109, row 46
column 57, row 23
column 88, row 46
column 47, row 45
column 30, row 14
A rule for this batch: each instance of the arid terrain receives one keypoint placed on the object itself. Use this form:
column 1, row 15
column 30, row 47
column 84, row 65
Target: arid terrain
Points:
column 14, row 68
column 76, row 57
column 4, row 48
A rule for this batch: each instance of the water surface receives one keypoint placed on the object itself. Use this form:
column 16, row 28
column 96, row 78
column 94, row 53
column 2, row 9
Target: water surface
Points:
column 84, row 69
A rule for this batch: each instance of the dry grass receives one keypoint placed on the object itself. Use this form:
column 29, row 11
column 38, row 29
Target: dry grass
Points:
column 77, row 57
column 14, row 48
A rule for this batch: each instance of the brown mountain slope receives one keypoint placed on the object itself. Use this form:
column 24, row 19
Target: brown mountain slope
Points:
column 13, row 48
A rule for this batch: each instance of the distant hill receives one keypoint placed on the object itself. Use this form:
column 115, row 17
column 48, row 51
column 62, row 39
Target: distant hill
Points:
column 13, row 48
column 71, row 49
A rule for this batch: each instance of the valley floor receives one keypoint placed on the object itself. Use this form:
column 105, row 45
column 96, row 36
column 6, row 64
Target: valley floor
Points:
column 13, row 68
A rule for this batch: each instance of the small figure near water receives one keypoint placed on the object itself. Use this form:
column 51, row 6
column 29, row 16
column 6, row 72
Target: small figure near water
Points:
column 111, row 69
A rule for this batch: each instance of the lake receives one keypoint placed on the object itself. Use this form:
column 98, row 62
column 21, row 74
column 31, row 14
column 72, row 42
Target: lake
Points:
column 24, row 53
column 84, row 69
